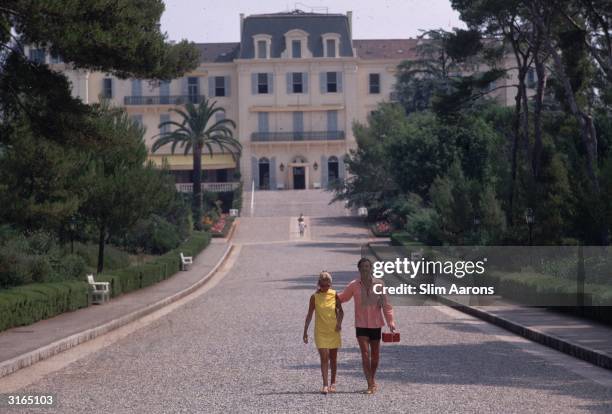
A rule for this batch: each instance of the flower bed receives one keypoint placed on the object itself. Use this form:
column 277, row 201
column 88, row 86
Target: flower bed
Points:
column 381, row 229
column 222, row 227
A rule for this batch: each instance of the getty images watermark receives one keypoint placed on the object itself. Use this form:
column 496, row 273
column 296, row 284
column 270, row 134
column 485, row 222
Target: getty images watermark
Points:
column 406, row 268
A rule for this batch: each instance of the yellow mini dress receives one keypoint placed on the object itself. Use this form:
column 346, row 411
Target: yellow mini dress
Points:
column 325, row 320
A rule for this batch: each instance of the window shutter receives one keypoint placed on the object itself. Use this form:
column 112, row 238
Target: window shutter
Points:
column 255, row 172
column 298, row 121
column 324, row 171
column 164, row 88
column 262, row 120
column 185, row 87
column 289, row 82
column 227, row 82
column 341, row 168
column 339, row 81
column 270, row 83
column 211, row 86
column 305, row 82
column 273, row 173
column 136, row 87
column 323, row 82
column 254, row 83
column 332, row 120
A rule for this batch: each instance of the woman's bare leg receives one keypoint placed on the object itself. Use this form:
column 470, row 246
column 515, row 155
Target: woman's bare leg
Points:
column 375, row 356
column 324, row 354
column 364, row 346
column 333, row 362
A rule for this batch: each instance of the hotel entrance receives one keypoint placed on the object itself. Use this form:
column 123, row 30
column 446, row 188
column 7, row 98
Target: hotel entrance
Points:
column 299, row 178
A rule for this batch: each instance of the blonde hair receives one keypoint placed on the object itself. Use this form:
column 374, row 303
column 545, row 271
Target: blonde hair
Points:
column 325, row 276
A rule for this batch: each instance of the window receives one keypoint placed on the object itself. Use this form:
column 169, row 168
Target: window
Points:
column 220, row 86
column 297, row 82
column 193, row 89
column 55, row 58
column 137, row 119
column 374, row 83
column 262, row 83
column 107, row 88
column 332, row 82
column 37, row 55
column 531, row 78
column 164, row 129
column 296, row 48
column 262, row 49
column 331, row 47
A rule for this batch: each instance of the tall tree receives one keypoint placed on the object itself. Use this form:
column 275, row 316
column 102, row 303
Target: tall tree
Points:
column 199, row 132
column 122, row 188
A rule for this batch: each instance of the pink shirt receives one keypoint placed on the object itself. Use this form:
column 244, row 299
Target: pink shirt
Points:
column 367, row 316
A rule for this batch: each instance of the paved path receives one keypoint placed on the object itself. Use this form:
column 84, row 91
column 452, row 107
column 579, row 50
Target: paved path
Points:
column 237, row 348
column 19, row 340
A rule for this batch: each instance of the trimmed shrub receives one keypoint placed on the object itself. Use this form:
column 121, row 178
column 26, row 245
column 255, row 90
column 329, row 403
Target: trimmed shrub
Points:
column 24, row 305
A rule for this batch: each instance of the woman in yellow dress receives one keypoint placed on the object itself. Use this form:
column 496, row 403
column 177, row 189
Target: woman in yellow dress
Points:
column 328, row 321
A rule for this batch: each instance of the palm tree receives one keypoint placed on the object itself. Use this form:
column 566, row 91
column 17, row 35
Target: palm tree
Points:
column 199, row 131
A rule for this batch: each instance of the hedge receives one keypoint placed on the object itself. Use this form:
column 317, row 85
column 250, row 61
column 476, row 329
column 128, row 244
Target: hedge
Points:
column 24, row 305
column 147, row 274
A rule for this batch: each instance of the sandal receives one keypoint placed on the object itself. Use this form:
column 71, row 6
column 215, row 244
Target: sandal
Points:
column 332, row 388
column 369, row 391
column 325, row 390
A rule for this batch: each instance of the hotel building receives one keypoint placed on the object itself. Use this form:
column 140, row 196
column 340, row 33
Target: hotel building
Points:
column 294, row 84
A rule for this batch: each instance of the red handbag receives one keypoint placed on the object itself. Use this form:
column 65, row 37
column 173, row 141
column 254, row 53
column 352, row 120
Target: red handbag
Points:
column 391, row 336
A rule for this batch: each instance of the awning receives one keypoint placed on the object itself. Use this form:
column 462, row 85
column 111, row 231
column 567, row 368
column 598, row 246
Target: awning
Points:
column 185, row 162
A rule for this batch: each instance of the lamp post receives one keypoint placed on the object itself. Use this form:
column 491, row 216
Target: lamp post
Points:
column 72, row 226
column 530, row 219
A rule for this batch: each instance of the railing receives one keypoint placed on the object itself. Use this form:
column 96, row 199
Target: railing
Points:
column 163, row 99
column 216, row 187
column 297, row 136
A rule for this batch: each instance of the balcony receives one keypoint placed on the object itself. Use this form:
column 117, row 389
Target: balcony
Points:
column 297, row 136
column 214, row 187
column 163, row 100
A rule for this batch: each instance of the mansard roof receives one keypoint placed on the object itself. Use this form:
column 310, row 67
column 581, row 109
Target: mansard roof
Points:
column 218, row 52
column 277, row 24
column 370, row 49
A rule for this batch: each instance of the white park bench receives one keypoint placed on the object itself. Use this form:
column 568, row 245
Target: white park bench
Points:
column 186, row 262
column 316, row 185
column 280, row 186
column 100, row 291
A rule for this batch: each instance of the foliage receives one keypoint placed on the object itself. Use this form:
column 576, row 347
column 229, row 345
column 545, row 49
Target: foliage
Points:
column 199, row 132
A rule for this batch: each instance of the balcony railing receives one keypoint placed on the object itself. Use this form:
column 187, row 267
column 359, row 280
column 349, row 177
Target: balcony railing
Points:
column 163, row 100
column 297, row 136
column 216, row 187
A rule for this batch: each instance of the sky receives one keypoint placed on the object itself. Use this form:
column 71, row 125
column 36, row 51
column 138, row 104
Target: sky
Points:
column 204, row 21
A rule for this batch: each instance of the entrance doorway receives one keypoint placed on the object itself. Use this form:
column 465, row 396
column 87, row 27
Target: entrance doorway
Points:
column 299, row 178
column 264, row 174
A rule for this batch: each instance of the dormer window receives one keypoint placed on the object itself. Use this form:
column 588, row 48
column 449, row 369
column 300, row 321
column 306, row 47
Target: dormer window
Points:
column 262, row 46
column 296, row 42
column 296, row 49
column 262, row 49
column 331, row 48
column 331, row 45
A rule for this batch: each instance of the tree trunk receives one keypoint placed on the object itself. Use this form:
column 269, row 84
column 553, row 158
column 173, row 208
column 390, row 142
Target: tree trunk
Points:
column 101, row 242
column 537, row 117
column 587, row 129
column 197, row 186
